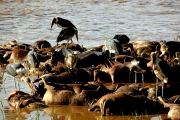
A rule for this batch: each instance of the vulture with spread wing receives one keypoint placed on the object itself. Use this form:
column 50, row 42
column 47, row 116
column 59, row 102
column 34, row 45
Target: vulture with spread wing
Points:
column 89, row 58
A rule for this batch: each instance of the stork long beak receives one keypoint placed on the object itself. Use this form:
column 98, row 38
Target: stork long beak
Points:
column 76, row 35
column 53, row 21
column 152, row 62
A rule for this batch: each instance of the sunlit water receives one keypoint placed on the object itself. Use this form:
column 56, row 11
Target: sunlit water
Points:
column 97, row 20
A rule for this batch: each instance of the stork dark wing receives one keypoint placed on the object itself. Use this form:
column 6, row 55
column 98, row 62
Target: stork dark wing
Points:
column 11, row 70
column 33, row 59
column 142, row 62
column 165, row 68
column 12, row 67
column 67, row 34
column 64, row 22
column 123, row 39
column 114, row 46
column 111, row 46
column 61, row 35
column 89, row 58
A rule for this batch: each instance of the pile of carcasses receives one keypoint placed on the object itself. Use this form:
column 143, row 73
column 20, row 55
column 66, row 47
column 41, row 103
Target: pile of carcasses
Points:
column 69, row 74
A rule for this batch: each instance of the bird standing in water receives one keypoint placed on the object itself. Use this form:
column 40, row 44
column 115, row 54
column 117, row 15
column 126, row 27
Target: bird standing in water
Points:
column 138, row 65
column 68, row 29
column 15, row 69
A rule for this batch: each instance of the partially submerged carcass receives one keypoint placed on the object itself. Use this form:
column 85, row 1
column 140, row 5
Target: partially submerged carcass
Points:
column 57, row 95
column 119, row 103
column 20, row 99
column 174, row 109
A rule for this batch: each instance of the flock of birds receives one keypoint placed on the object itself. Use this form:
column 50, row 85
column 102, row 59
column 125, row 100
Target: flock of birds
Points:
column 138, row 56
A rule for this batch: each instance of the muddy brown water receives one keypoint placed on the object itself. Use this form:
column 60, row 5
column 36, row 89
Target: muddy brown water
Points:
column 97, row 20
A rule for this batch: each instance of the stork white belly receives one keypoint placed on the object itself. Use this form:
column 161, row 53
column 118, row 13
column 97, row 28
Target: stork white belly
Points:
column 159, row 74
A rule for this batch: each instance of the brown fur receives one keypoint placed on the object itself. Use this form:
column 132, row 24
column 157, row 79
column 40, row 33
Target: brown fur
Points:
column 123, row 104
column 174, row 112
column 131, row 89
column 98, row 48
column 59, row 68
column 47, row 50
column 18, row 55
column 122, row 58
column 169, row 48
column 41, row 44
column 66, row 77
column 19, row 99
column 58, row 96
column 142, row 48
column 75, row 47
column 114, row 103
column 118, row 72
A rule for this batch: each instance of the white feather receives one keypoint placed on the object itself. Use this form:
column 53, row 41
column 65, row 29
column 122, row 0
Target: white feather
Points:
column 21, row 71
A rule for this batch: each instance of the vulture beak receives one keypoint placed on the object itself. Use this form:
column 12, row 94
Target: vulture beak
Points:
column 53, row 21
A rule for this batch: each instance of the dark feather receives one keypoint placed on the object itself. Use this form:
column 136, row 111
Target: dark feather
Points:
column 143, row 63
column 95, row 59
column 66, row 34
column 33, row 59
column 165, row 68
column 64, row 22
column 12, row 67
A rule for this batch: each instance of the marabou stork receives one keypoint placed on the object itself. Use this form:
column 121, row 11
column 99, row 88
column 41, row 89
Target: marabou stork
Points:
column 15, row 69
column 62, row 23
column 115, row 45
column 68, row 29
column 67, row 34
column 138, row 65
column 161, row 70
column 33, row 59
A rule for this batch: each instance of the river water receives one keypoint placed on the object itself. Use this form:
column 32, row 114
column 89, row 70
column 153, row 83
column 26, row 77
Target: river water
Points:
column 96, row 20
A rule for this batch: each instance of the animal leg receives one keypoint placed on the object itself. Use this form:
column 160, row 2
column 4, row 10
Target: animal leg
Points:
column 38, row 72
column 162, row 88
column 112, row 78
column 71, row 40
column 135, row 77
column 15, row 83
column 143, row 79
column 18, row 85
column 156, row 87
column 130, row 75
column 95, row 72
column 103, row 108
